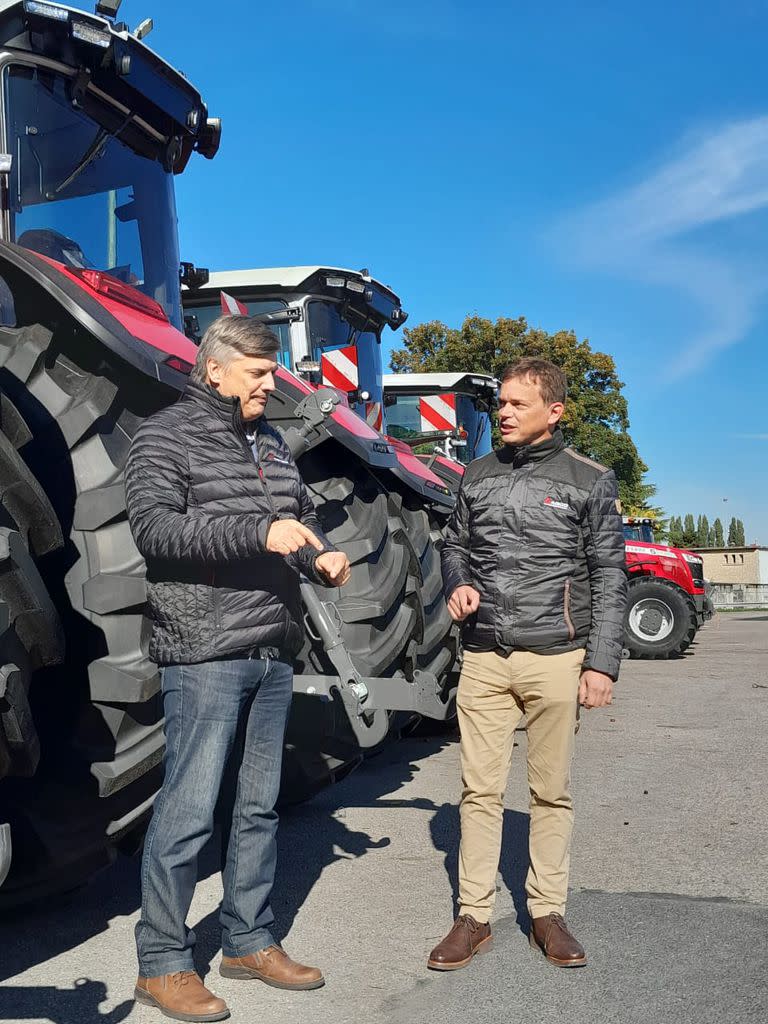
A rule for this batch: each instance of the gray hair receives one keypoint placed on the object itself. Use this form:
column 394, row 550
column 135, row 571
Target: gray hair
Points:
column 231, row 336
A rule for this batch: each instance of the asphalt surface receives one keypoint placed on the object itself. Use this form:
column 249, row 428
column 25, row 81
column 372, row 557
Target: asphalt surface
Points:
column 669, row 879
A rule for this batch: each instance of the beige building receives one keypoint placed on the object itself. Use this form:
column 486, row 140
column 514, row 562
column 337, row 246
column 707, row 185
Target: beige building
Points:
column 746, row 566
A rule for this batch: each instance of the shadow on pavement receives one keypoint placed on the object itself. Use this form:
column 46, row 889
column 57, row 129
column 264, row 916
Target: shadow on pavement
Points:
column 61, row 1005
column 311, row 837
column 445, row 832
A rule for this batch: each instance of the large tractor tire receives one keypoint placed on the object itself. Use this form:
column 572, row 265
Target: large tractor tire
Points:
column 70, row 410
column 388, row 612
column 69, row 413
column 660, row 620
column 376, row 614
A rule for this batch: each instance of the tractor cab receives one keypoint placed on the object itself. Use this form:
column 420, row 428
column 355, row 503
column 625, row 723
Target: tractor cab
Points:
column 638, row 529
column 329, row 322
column 443, row 414
column 95, row 126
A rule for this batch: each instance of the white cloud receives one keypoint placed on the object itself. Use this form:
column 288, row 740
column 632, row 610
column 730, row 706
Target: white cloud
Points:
column 645, row 233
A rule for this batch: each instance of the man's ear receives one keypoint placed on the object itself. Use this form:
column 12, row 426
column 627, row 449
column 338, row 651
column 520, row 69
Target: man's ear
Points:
column 214, row 372
column 556, row 411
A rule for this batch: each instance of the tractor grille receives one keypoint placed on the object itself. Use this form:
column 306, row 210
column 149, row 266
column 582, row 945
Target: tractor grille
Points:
column 697, row 571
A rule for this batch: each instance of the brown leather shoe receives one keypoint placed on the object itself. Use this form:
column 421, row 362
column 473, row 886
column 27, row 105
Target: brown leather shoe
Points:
column 550, row 935
column 274, row 967
column 181, row 996
column 466, row 938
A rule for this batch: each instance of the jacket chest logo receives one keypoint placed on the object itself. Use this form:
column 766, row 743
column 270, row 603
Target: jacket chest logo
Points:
column 271, row 457
column 562, row 506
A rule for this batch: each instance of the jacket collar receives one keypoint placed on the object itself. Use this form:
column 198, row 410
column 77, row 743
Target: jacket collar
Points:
column 524, row 454
column 225, row 408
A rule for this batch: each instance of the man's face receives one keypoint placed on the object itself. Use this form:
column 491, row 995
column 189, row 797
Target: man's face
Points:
column 524, row 416
column 249, row 378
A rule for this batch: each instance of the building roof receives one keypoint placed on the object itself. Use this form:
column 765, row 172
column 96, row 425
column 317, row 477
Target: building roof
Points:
column 729, row 550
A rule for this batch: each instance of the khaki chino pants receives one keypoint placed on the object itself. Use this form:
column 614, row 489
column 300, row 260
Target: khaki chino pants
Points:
column 494, row 693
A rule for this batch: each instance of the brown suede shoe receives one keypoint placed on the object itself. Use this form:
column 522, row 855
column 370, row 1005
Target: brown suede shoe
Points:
column 181, row 996
column 466, row 938
column 274, row 967
column 550, row 935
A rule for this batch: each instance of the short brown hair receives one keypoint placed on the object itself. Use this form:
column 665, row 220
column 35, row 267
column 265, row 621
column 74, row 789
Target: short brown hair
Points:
column 230, row 336
column 549, row 378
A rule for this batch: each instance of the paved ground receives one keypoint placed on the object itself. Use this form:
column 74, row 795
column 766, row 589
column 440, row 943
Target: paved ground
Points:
column 669, row 876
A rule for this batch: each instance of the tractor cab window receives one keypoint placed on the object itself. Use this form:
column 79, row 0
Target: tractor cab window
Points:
column 206, row 314
column 82, row 191
column 639, row 531
column 330, row 330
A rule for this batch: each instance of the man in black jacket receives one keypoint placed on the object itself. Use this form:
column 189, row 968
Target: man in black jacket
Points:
column 220, row 514
column 533, row 566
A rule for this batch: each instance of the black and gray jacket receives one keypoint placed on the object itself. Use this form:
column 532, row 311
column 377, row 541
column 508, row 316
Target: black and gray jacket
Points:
column 537, row 531
column 200, row 505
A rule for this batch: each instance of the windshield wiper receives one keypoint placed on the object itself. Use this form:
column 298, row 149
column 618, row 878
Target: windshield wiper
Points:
column 94, row 151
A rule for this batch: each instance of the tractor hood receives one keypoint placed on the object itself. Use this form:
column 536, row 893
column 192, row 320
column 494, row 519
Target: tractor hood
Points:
column 124, row 320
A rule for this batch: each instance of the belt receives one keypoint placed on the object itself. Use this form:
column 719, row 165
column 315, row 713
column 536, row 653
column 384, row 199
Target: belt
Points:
column 260, row 652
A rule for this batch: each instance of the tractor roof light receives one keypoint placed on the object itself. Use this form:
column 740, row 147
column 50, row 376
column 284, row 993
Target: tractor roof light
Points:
column 209, row 138
column 144, row 28
column 334, row 282
column 108, row 8
column 88, row 33
column 356, row 286
column 46, row 10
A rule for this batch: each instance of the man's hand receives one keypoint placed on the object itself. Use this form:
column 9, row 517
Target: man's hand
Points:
column 463, row 602
column 595, row 689
column 334, row 566
column 288, row 535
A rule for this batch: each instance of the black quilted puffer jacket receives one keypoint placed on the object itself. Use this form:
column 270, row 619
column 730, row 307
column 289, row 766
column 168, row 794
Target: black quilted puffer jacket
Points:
column 537, row 531
column 199, row 506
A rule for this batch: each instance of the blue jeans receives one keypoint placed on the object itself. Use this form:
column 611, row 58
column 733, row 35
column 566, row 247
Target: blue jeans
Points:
column 207, row 707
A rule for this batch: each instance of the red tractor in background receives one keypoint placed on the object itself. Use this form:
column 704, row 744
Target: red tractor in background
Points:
column 668, row 600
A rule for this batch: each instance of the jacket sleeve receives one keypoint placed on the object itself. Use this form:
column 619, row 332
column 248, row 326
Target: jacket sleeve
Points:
column 604, row 550
column 303, row 560
column 156, row 487
column 454, row 555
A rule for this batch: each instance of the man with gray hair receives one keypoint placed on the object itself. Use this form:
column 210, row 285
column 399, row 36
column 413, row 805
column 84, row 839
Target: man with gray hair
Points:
column 220, row 514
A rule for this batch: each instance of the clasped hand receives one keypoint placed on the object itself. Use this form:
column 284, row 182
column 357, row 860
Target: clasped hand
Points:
column 285, row 536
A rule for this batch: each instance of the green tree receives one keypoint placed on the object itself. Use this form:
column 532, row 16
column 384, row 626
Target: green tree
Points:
column 675, row 532
column 689, row 532
column 733, row 533
column 702, row 531
column 712, row 538
column 596, row 419
column 740, row 535
column 719, row 536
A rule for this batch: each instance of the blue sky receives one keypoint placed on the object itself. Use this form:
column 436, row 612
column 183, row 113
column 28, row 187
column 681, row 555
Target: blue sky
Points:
column 602, row 167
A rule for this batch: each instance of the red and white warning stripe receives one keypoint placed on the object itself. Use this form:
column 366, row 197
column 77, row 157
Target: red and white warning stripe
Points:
column 339, row 368
column 232, row 306
column 438, row 412
column 373, row 415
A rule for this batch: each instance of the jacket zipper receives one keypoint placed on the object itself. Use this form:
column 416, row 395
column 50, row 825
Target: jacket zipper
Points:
column 567, row 610
column 256, row 456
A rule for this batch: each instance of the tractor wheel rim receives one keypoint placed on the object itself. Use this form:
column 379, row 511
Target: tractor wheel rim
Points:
column 651, row 619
